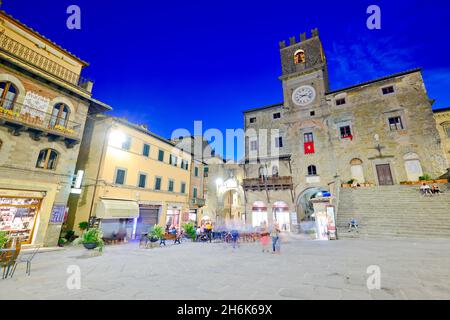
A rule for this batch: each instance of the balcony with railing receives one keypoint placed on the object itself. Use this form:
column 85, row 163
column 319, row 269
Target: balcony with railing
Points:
column 198, row 202
column 29, row 56
column 268, row 183
column 21, row 118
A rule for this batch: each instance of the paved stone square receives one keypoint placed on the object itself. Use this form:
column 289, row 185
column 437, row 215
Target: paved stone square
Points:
column 305, row 270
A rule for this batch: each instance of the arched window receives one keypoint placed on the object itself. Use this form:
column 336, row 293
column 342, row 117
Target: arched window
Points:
column 1, row 144
column 60, row 115
column 312, row 171
column 47, row 159
column 8, row 95
column 299, row 57
column 263, row 173
column 275, row 171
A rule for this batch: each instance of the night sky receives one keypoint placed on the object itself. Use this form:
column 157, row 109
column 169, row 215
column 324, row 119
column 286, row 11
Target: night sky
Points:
column 169, row 63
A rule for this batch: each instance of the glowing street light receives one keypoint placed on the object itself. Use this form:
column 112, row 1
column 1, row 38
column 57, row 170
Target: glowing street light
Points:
column 117, row 139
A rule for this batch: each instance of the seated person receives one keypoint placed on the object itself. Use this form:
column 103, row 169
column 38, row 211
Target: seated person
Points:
column 435, row 189
column 425, row 189
column 353, row 225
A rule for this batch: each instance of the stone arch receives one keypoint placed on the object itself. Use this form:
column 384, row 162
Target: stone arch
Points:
column 4, row 77
column 304, row 206
column 413, row 167
column 357, row 170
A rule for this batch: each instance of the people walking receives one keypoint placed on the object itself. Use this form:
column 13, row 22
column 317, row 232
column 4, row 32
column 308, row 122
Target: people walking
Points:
column 209, row 228
column 265, row 237
column 275, row 234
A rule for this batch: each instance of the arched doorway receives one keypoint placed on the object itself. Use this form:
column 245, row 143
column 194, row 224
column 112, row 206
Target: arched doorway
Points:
column 412, row 166
column 232, row 206
column 357, row 170
column 281, row 215
column 259, row 213
column 304, row 204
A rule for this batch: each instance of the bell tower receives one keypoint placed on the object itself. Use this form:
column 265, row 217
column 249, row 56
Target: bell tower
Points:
column 304, row 72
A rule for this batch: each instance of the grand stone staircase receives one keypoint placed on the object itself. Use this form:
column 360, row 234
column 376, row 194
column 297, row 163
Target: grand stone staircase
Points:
column 394, row 212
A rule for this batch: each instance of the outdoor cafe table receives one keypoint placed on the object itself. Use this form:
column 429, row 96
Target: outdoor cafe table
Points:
column 8, row 264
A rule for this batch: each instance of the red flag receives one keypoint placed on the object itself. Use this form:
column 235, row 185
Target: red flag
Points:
column 309, row 148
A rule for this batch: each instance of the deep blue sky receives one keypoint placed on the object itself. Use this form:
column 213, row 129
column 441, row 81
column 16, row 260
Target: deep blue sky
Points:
column 169, row 63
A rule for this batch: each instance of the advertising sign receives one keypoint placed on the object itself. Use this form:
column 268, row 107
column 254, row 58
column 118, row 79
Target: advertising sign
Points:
column 322, row 226
column 35, row 105
column 331, row 223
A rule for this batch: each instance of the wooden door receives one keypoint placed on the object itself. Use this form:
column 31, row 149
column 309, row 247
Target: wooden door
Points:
column 384, row 175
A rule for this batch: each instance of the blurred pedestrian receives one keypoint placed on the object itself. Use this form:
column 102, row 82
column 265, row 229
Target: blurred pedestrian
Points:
column 275, row 234
column 265, row 237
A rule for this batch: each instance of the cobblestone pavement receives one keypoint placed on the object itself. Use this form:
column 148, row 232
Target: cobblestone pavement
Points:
column 305, row 270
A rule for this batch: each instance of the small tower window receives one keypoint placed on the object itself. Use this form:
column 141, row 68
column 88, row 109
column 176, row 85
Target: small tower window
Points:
column 299, row 57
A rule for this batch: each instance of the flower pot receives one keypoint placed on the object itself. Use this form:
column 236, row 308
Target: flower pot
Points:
column 90, row 246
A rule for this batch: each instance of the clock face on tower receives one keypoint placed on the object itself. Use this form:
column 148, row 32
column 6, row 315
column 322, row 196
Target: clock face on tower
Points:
column 304, row 96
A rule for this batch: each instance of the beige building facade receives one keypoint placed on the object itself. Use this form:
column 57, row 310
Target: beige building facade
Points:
column 133, row 179
column 442, row 117
column 381, row 132
column 44, row 103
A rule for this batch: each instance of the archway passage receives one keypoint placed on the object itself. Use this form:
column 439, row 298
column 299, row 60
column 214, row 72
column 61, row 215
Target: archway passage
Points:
column 281, row 214
column 259, row 214
column 304, row 204
column 232, row 206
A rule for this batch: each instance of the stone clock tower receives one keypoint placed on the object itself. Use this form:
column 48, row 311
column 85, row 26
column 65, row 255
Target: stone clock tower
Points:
column 305, row 76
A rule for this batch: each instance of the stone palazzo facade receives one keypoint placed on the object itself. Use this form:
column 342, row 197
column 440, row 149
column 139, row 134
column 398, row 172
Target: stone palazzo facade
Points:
column 382, row 132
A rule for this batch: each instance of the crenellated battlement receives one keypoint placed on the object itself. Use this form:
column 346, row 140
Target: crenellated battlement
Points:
column 303, row 38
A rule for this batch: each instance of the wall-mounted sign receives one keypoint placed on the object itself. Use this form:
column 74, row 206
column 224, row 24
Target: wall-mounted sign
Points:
column 35, row 106
column 58, row 213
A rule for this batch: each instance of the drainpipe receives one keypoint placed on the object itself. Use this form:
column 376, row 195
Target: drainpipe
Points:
column 105, row 141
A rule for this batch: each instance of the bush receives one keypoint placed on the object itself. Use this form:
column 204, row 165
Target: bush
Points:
column 3, row 239
column 189, row 228
column 425, row 177
column 83, row 226
column 70, row 235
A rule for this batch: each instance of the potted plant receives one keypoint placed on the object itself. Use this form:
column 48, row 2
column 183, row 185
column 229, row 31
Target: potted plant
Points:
column 91, row 239
column 3, row 239
column 156, row 234
column 83, row 226
column 189, row 228
column 62, row 242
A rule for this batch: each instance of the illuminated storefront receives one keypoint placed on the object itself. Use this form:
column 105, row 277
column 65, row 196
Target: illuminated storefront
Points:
column 18, row 216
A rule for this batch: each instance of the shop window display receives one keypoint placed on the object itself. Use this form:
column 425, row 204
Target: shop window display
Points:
column 18, row 216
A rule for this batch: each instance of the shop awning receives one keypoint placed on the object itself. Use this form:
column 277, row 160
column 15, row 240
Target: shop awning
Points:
column 117, row 209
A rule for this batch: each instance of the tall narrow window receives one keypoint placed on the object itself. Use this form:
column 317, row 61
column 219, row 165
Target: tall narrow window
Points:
column 275, row 172
column 446, row 129
column 161, row 155
column 146, row 150
column 279, row 142
column 171, row 185
column 195, row 195
column 312, row 171
column 60, row 115
column 196, row 172
column 183, row 188
column 158, row 183
column 142, row 180
column 120, row 177
column 47, row 159
column 8, row 95
column 254, row 145
column 396, row 124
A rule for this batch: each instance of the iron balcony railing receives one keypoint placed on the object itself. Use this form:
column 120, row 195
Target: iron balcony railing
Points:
column 30, row 56
column 198, row 202
column 270, row 183
column 25, row 116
